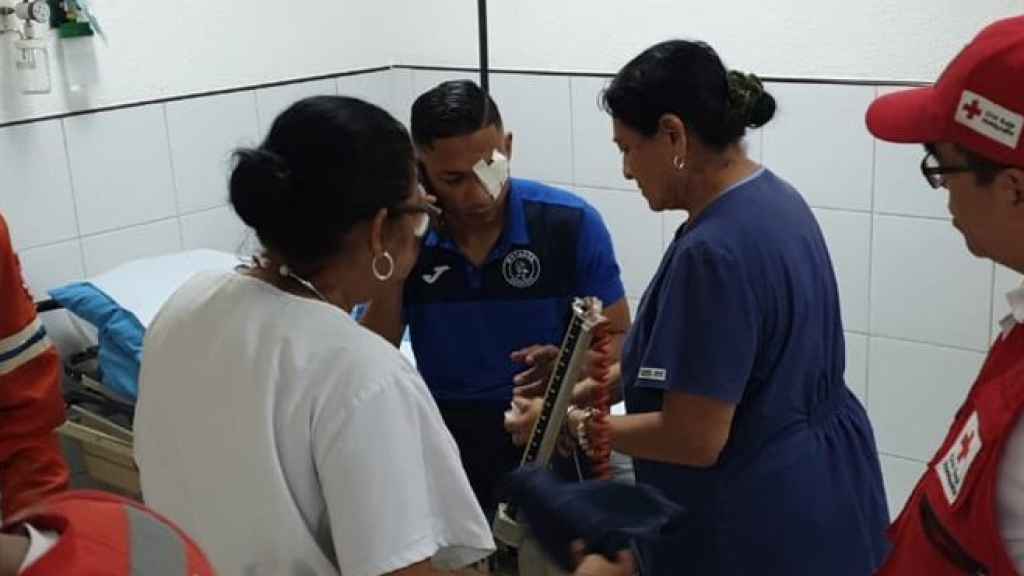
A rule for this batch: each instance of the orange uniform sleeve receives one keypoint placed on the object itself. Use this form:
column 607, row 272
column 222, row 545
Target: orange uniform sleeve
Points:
column 31, row 405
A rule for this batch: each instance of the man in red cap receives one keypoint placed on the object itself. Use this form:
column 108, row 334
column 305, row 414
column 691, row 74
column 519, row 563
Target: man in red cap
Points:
column 96, row 533
column 31, row 406
column 966, row 515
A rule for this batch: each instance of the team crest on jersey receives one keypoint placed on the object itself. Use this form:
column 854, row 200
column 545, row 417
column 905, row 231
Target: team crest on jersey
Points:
column 952, row 469
column 521, row 268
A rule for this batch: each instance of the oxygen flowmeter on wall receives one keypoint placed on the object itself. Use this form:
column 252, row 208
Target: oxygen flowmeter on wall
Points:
column 30, row 21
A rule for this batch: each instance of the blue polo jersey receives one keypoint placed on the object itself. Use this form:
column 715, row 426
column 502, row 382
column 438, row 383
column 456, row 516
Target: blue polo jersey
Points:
column 465, row 321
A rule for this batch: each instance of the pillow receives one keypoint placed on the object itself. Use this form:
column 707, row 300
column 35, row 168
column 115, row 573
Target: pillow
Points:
column 142, row 286
column 119, row 333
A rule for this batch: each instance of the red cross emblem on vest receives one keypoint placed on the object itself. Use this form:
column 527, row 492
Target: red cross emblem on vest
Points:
column 973, row 109
column 965, row 446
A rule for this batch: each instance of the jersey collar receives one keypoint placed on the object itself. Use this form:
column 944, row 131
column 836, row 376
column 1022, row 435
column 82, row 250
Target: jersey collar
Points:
column 515, row 231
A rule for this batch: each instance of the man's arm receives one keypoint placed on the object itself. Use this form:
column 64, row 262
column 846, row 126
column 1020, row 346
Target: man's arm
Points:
column 539, row 360
column 618, row 325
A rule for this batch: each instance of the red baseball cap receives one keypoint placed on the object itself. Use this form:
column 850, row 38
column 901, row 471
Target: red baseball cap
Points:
column 978, row 102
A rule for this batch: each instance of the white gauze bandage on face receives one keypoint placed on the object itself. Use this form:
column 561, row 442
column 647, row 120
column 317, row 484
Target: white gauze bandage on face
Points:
column 493, row 175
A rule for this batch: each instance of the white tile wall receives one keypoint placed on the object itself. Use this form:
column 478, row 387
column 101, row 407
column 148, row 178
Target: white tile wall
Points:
column 926, row 286
column 203, row 134
column 857, row 365
column 91, row 191
column 901, row 476
column 670, row 223
column 914, row 391
column 107, row 251
column 1006, row 280
column 120, row 168
column 818, row 142
column 51, row 266
column 216, row 229
column 899, row 186
column 35, row 196
column 848, row 235
column 402, row 94
column 375, row 87
column 636, row 235
column 272, row 101
column 423, row 80
column 634, row 304
column 536, row 110
column 754, row 142
column 596, row 160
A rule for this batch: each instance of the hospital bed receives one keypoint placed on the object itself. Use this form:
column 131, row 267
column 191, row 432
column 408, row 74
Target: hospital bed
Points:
column 101, row 344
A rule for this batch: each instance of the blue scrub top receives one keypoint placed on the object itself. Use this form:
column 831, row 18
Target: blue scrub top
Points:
column 744, row 309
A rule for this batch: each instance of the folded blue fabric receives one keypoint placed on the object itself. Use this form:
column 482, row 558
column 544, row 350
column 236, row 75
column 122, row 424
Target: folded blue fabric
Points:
column 607, row 516
column 120, row 334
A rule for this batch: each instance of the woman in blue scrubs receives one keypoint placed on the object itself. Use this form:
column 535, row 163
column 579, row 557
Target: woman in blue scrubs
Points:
column 733, row 371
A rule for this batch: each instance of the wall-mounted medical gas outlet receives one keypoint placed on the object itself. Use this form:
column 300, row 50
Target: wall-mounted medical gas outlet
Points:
column 31, row 55
column 29, row 20
column 37, row 11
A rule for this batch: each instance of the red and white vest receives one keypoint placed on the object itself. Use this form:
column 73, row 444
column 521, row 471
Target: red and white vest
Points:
column 105, row 535
column 950, row 524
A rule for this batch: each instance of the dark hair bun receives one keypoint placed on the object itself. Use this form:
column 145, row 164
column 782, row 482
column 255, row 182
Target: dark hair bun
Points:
column 328, row 163
column 749, row 100
column 762, row 110
column 259, row 187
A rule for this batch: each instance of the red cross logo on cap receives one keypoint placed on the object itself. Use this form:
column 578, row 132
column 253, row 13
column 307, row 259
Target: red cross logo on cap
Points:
column 965, row 446
column 973, row 109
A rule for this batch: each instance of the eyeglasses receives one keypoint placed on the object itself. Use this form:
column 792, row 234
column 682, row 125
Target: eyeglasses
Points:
column 424, row 212
column 934, row 171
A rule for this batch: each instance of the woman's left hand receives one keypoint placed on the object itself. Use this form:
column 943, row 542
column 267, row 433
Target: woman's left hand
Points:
column 521, row 418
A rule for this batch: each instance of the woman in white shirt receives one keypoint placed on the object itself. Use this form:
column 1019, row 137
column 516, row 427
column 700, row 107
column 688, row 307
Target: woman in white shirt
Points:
column 271, row 426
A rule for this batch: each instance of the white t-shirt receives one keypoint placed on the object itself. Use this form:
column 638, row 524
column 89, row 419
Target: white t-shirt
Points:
column 288, row 439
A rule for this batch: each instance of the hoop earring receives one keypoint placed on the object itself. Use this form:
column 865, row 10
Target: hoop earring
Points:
column 389, row 262
column 679, row 163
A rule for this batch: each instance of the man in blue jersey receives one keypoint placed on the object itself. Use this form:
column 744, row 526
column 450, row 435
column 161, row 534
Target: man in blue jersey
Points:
column 491, row 291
